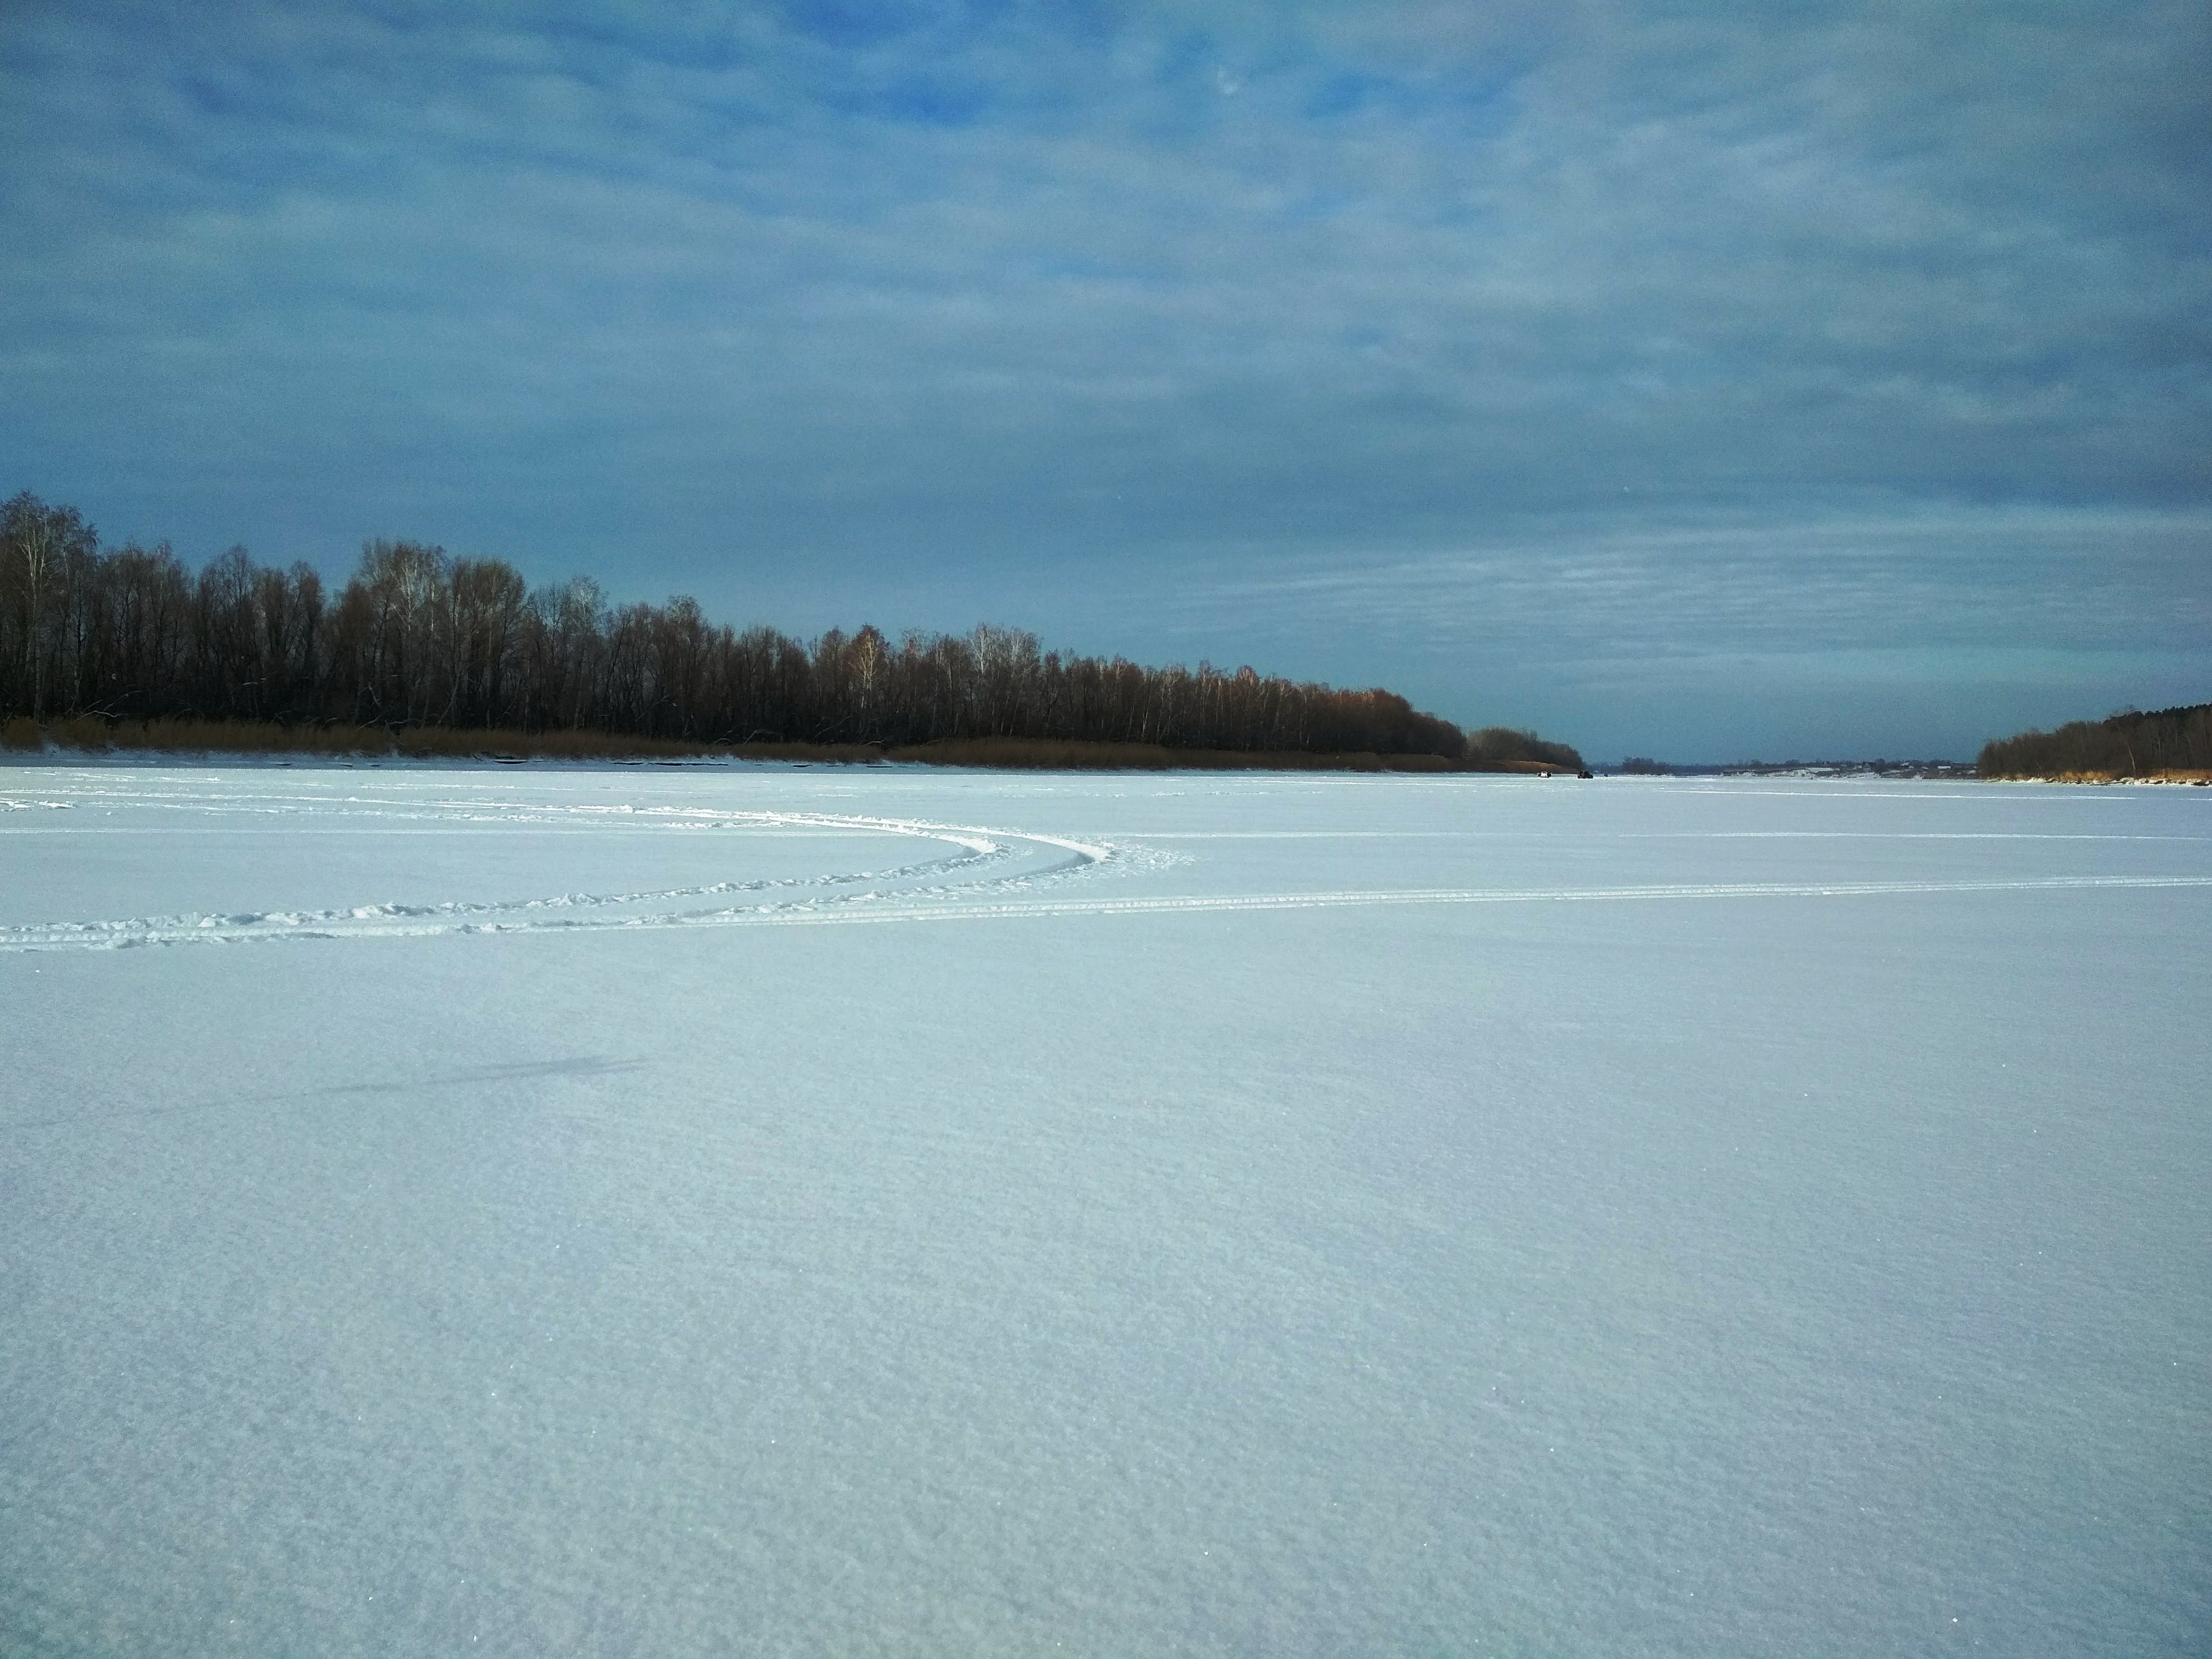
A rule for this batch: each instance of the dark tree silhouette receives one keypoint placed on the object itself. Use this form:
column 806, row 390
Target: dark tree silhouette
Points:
column 2129, row 745
column 418, row 638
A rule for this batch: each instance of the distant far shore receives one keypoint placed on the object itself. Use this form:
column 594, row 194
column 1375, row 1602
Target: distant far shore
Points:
column 1642, row 766
column 89, row 735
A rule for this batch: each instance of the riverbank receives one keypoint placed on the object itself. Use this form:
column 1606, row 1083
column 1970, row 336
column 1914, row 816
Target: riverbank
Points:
column 89, row 734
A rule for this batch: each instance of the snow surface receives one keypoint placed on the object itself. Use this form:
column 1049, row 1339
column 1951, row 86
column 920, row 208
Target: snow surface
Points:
column 528, row 1209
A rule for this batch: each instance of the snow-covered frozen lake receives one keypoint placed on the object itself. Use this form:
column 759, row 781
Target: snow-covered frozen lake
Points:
column 747, row 1210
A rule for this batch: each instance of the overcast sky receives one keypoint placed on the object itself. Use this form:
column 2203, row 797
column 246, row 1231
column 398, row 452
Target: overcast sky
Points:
column 1700, row 379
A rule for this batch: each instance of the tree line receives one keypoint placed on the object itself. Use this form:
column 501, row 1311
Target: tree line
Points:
column 2129, row 745
column 417, row 637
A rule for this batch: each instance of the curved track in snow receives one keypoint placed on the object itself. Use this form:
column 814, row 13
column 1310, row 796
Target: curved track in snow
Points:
column 973, row 872
column 982, row 861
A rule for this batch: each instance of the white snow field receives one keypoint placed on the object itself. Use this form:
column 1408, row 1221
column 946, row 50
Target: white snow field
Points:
column 742, row 1210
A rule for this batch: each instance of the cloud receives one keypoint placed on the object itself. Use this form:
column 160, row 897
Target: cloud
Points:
column 1015, row 295
column 1624, row 588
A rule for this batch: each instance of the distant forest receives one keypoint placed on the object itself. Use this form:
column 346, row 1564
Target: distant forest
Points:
column 419, row 639
column 2129, row 745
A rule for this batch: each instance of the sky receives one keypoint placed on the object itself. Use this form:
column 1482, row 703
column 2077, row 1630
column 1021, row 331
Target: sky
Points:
column 1702, row 380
